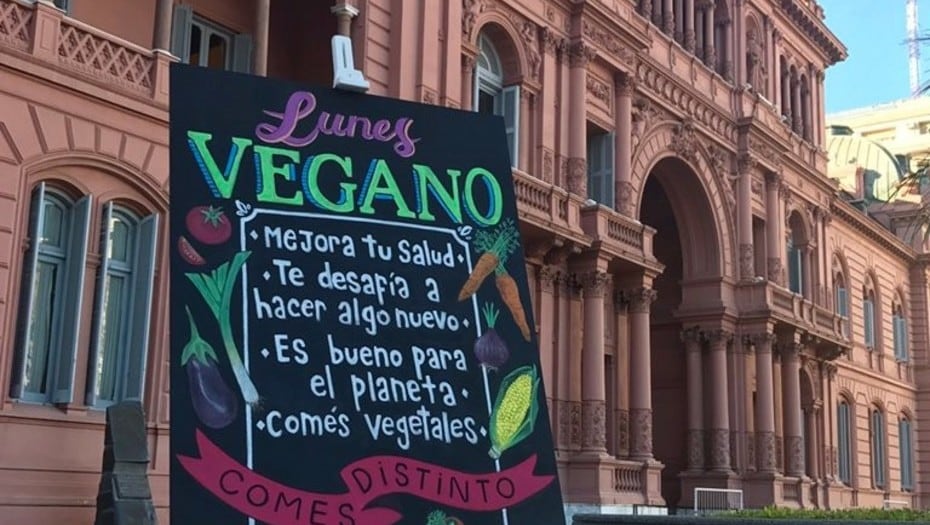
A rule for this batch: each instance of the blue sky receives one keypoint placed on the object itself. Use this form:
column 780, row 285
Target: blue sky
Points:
column 876, row 70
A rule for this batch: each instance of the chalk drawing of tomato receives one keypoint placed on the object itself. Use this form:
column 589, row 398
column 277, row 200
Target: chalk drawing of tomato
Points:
column 188, row 253
column 208, row 224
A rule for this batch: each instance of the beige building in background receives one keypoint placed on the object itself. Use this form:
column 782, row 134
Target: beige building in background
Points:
column 713, row 310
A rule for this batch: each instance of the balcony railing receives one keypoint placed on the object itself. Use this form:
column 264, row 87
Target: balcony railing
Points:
column 791, row 308
column 44, row 33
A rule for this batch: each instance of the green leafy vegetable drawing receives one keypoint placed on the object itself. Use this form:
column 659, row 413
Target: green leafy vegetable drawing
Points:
column 217, row 288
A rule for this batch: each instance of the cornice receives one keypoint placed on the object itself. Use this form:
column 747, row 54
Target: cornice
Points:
column 864, row 224
column 809, row 22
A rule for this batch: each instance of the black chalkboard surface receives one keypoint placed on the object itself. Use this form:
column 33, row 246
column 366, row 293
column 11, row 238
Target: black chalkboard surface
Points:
column 352, row 339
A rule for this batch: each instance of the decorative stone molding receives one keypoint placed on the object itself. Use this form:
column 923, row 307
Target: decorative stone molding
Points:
column 716, row 158
column 468, row 64
column 750, row 441
column 568, row 284
column 574, row 422
column 578, row 176
column 625, row 197
column 690, row 40
column 553, row 44
column 529, row 31
column 719, row 337
column 580, row 54
column 795, row 463
column 775, row 270
column 762, row 338
column 790, row 350
column 745, row 163
column 626, row 85
column 595, row 283
column 606, row 41
column 696, row 449
column 773, row 180
column 599, row 90
column 640, row 299
column 684, row 140
column 622, row 418
column 692, row 335
column 746, row 261
column 548, row 164
column 641, row 433
column 594, row 424
column 766, row 451
column 719, row 448
column 564, row 425
column 470, row 11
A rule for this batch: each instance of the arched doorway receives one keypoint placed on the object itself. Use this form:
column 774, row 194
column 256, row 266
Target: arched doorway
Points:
column 675, row 203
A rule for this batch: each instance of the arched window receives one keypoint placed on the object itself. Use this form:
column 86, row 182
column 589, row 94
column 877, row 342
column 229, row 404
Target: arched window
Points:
column 899, row 325
column 868, row 317
column 842, row 300
column 124, row 295
column 879, row 463
column 50, row 301
column 492, row 97
column 906, row 449
column 844, row 427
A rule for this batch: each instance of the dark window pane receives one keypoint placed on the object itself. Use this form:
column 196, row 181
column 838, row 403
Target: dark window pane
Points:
column 217, row 57
column 194, row 54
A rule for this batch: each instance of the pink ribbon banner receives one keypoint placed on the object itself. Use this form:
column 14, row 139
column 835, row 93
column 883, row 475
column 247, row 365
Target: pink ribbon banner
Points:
column 366, row 479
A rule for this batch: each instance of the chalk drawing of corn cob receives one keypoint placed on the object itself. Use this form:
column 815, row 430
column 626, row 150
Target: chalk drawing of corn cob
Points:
column 514, row 414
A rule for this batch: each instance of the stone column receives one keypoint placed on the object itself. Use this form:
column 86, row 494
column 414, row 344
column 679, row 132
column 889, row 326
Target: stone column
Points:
column 262, row 20
column 163, row 12
column 689, row 25
column 796, row 107
column 468, row 77
column 710, row 54
column 819, row 109
column 622, row 375
column 679, row 35
column 807, row 270
column 779, row 411
column 772, row 227
column 625, row 86
column 547, row 276
column 730, row 51
column 645, row 9
column 813, row 467
column 695, row 377
column 744, row 218
column 830, row 450
column 668, row 18
column 791, row 392
column 593, row 391
column 719, row 398
column 580, row 54
column 564, row 359
column 765, row 403
column 640, row 300
column 575, row 337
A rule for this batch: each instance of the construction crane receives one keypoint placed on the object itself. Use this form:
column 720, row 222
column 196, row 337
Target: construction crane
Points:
column 913, row 47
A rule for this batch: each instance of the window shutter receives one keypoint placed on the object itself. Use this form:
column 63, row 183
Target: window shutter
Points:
column 903, row 332
column 868, row 322
column 595, row 166
column 794, row 269
column 904, row 452
column 100, row 307
column 37, row 222
column 896, row 331
column 141, row 313
column 242, row 53
column 181, row 31
column 510, row 109
column 63, row 377
column 475, row 90
column 842, row 417
column 608, row 170
column 842, row 302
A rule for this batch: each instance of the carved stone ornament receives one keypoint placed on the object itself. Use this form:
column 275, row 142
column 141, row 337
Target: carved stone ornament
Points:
column 574, row 410
column 719, row 449
column 599, row 90
column 548, row 164
column 641, row 432
column 529, row 31
column 580, row 54
column 470, row 11
column 716, row 157
column 622, row 417
column 577, row 175
column 775, row 270
column 605, row 40
column 766, row 452
column 746, row 261
column 719, row 337
column 696, row 449
column 594, row 423
column 795, row 459
column 564, row 427
column 762, row 341
column 684, row 140
column 595, row 283
column 547, row 275
column 640, row 299
column 552, row 42
column 765, row 152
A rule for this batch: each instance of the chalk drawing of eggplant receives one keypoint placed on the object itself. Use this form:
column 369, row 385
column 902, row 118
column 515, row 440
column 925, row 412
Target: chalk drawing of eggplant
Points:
column 214, row 402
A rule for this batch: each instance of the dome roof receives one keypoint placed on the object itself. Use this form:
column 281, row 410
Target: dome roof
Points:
column 847, row 153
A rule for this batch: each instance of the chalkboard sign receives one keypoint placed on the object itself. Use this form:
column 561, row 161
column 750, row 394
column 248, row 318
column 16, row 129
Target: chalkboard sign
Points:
column 352, row 339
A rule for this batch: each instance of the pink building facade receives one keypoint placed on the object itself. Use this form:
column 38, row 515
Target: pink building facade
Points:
column 712, row 310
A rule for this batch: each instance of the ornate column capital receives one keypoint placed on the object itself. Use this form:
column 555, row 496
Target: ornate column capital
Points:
column 773, row 180
column 548, row 276
column 640, row 299
column 595, row 283
column 626, row 84
column 692, row 338
column 468, row 64
column 762, row 339
column 829, row 369
column 580, row 53
column 790, row 351
column 553, row 44
column 718, row 336
column 746, row 163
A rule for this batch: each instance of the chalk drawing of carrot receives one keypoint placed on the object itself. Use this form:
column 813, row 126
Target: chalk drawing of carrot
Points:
column 496, row 246
column 510, row 295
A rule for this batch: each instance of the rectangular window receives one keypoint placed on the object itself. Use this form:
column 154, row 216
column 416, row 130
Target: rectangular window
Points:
column 50, row 301
column 844, row 450
column 795, row 269
column 198, row 42
column 601, row 168
column 906, row 450
column 842, row 307
column 878, row 449
column 868, row 322
column 124, row 303
column 900, row 337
